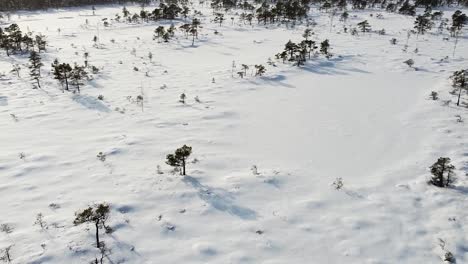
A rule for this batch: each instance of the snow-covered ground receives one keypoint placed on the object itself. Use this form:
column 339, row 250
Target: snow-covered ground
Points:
column 363, row 116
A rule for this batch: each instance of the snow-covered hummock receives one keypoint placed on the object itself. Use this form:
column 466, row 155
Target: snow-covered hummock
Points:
column 363, row 116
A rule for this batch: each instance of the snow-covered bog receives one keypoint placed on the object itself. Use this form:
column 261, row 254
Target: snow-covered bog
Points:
column 323, row 163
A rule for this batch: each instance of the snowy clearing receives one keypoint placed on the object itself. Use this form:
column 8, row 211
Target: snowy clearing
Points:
column 362, row 115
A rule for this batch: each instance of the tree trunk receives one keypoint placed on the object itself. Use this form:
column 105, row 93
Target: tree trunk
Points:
column 459, row 95
column 38, row 84
column 183, row 166
column 66, row 83
column 98, row 244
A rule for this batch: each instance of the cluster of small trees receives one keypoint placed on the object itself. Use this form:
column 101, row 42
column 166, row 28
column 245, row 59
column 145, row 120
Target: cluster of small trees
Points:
column 260, row 70
column 191, row 29
column 163, row 33
column 423, row 23
column 298, row 53
column 290, row 10
column 13, row 41
column 164, row 11
column 68, row 75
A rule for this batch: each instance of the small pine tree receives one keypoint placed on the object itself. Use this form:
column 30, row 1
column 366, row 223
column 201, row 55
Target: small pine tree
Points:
column 193, row 30
column 98, row 215
column 219, row 18
column 442, row 173
column 364, row 26
column 166, row 37
column 62, row 72
column 324, row 47
column 245, row 67
column 40, row 42
column 6, row 255
column 182, row 98
column 459, row 80
column 344, row 16
column 179, row 158
column 125, row 12
column 409, row 62
column 16, row 69
column 307, row 33
column 260, row 70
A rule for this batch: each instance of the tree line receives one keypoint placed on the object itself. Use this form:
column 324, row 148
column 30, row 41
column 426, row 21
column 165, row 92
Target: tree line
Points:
column 10, row 5
column 14, row 41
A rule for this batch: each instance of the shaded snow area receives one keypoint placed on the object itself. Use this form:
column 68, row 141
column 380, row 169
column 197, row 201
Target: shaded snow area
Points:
column 362, row 115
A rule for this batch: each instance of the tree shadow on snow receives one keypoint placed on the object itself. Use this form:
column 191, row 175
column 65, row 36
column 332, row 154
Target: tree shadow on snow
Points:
column 3, row 101
column 461, row 189
column 91, row 103
column 330, row 67
column 275, row 80
column 220, row 199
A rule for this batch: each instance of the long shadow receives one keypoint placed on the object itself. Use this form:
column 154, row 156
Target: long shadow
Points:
column 91, row 103
column 461, row 189
column 220, row 199
column 330, row 67
column 3, row 101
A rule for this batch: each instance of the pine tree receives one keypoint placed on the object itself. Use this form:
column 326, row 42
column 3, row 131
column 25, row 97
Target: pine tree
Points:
column 307, row 33
column 442, row 173
column 15, row 37
column 16, row 69
column 28, row 41
column 459, row 20
column 260, row 70
column 35, row 65
column 193, row 30
column 290, row 47
column 407, row 9
column 245, row 67
column 125, row 12
column 344, row 16
column 459, row 80
column 422, row 24
column 77, row 76
column 182, row 98
column 219, row 18
column 364, row 26
column 62, row 72
column 324, row 47
column 98, row 215
column 40, row 42
column 159, row 32
column 166, row 37
column 179, row 158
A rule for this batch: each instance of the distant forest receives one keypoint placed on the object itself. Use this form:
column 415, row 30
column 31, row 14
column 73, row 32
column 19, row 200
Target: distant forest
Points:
column 10, row 5
column 390, row 5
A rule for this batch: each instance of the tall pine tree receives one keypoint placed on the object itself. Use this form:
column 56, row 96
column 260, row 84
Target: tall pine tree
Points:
column 35, row 65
